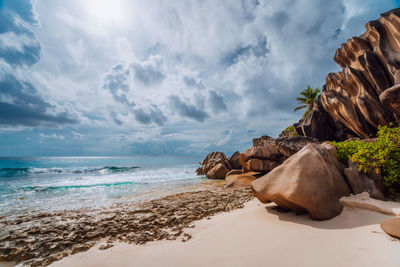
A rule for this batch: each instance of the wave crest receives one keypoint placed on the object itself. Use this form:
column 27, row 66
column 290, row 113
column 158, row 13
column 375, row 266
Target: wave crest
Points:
column 8, row 172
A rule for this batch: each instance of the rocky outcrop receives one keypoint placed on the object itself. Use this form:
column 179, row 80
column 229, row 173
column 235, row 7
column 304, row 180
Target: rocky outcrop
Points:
column 215, row 166
column 235, row 180
column 234, row 161
column 320, row 125
column 392, row 227
column 219, row 171
column 309, row 181
column 268, row 153
column 365, row 94
column 362, row 182
column 288, row 146
column 390, row 99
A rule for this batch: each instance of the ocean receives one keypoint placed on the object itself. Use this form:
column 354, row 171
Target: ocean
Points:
column 56, row 183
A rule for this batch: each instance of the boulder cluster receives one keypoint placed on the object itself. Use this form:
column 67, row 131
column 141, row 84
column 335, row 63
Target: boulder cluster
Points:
column 300, row 174
column 216, row 165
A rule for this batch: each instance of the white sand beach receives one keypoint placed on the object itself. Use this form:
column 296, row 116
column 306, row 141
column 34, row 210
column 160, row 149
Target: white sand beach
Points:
column 260, row 236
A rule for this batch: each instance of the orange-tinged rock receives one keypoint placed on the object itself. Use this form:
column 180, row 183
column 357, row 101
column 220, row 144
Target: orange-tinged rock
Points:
column 240, row 180
column 392, row 227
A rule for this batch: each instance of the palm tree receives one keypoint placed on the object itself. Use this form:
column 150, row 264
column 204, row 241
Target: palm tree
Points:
column 307, row 98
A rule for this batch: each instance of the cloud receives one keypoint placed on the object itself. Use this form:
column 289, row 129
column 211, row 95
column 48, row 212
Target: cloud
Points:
column 149, row 71
column 192, row 82
column 187, row 110
column 51, row 136
column 20, row 102
column 116, row 81
column 121, row 80
column 216, row 101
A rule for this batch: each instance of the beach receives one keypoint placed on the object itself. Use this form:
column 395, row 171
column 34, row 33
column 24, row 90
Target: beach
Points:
column 212, row 227
column 42, row 238
column 257, row 235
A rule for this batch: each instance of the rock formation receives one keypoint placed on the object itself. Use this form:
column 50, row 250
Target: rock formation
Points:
column 392, row 227
column 309, row 181
column 216, row 165
column 365, row 94
column 235, row 180
column 234, row 161
column 268, row 153
column 362, row 182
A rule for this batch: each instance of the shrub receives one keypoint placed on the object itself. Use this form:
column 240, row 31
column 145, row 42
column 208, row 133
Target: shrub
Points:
column 383, row 155
column 291, row 130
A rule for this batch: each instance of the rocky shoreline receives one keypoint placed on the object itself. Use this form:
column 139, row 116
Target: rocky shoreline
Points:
column 39, row 240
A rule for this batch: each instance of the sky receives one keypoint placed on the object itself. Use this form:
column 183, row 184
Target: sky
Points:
column 161, row 77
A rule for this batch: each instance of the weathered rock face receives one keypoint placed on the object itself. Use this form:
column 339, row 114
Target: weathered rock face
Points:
column 288, row 146
column 309, row 181
column 215, row 166
column 320, row 125
column 268, row 153
column 219, row 171
column 361, row 182
column 365, row 93
column 390, row 99
column 240, row 179
column 234, row 161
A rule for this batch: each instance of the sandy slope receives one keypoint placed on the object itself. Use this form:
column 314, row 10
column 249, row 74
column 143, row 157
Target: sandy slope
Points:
column 259, row 236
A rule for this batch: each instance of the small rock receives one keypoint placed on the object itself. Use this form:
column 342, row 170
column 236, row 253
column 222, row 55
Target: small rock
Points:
column 106, row 246
column 392, row 227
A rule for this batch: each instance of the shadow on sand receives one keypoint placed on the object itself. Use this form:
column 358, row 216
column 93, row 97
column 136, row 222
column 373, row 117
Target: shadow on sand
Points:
column 349, row 218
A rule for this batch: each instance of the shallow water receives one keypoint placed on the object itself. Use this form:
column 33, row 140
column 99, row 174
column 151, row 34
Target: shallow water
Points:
column 57, row 183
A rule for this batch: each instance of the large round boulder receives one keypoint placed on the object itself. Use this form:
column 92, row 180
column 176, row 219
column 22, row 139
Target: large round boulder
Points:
column 309, row 181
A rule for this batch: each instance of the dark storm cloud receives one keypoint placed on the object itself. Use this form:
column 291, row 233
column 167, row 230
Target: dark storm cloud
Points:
column 187, row 110
column 20, row 103
column 216, row 101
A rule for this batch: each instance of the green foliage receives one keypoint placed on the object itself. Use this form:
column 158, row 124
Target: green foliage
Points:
column 307, row 98
column 383, row 155
column 291, row 130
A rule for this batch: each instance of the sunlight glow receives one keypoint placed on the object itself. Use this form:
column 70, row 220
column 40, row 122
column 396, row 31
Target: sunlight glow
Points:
column 105, row 11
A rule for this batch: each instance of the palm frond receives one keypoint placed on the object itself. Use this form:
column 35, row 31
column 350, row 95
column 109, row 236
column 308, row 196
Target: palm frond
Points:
column 300, row 107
